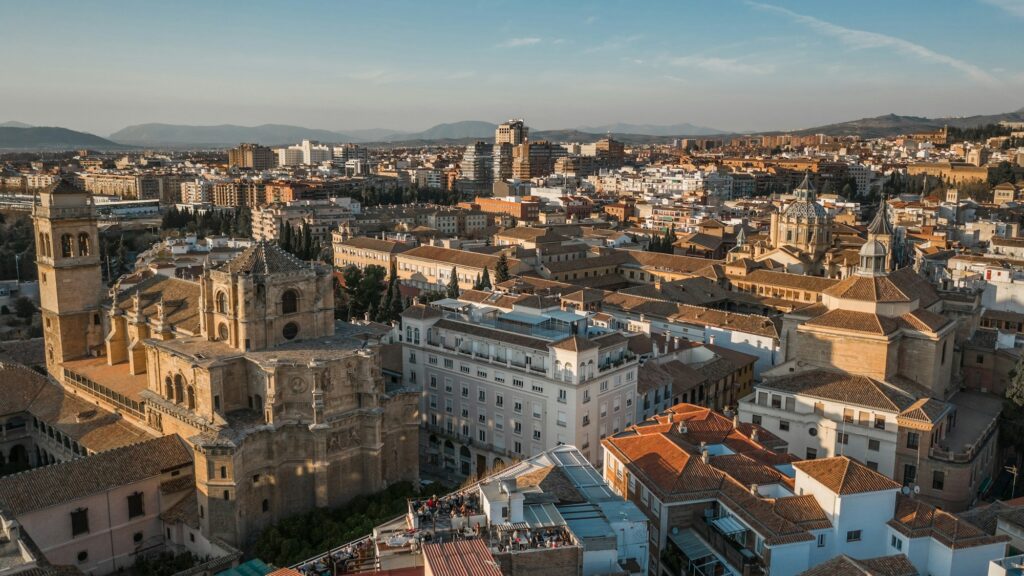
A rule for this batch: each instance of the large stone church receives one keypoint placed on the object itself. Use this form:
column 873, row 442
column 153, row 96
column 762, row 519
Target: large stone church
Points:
column 284, row 408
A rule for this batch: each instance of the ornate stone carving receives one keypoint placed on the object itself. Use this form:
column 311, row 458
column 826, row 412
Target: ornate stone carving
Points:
column 298, row 385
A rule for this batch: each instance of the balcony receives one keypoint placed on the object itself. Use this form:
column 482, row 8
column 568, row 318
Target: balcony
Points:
column 729, row 546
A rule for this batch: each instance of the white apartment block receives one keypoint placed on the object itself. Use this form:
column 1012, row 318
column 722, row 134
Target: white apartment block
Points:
column 196, row 192
column 502, row 386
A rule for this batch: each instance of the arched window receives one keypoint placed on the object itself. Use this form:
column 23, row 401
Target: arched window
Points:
column 65, row 246
column 191, row 403
column 83, row 244
column 168, row 388
column 42, row 244
column 266, row 505
column 222, row 302
column 290, row 302
column 47, row 245
column 179, row 389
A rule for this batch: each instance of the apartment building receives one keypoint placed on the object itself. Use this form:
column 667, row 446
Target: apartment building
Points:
column 361, row 251
column 501, row 386
column 943, row 449
column 430, row 267
column 322, row 217
column 252, row 156
column 722, row 499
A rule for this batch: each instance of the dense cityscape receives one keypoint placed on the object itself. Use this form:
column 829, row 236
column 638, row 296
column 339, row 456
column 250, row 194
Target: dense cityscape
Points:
column 489, row 348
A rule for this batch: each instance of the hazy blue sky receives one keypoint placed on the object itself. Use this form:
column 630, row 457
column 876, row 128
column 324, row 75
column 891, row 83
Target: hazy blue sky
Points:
column 731, row 64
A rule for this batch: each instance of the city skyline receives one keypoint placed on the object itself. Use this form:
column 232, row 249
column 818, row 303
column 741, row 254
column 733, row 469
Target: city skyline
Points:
column 406, row 66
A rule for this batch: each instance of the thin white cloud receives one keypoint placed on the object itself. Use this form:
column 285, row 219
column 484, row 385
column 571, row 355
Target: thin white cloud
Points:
column 720, row 65
column 862, row 39
column 519, row 42
column 1014, row 7
column 614, row 44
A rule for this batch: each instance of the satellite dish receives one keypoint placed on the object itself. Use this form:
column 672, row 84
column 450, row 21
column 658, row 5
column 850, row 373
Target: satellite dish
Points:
column 917, row 489
column 905, row 490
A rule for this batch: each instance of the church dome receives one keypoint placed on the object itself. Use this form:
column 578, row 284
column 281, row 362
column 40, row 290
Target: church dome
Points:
column 873, row 249
column 806, row 209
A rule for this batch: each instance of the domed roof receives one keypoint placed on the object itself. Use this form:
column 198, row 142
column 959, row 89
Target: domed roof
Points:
column 873, row 249
column 807, row 209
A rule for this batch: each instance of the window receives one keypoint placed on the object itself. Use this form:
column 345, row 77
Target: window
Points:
column 909, row 473
column 266, row 505
column 784, row 425
column 135, row 505
column 756, row 419
column 848, row 415
column 222, row 303
column 871, row 465
column 65, row 246
column 481, row 396
column 227, row 495
column 517, row 427
column 137, row 537
column 290, row 331
column 896, row 543
column 80, row 521
column 562, row 395
column 880, row 422
column 499, row 400
column 776, row 401
column 290, row 302
column 874, row 445
column 448, row 363
column 482, row 434
column 842, row 438
column 536, row 434
column 819, row 407
column 481, row 418
column 821, row 540
column 790, row 404
column 83, row 555
column 913, row 439
column 938, row 479
column 979, row 359
column 853, row 536
column 465, row 392
column 517, row 406
column 517, row 447
column 433, row 381
column 812, row 453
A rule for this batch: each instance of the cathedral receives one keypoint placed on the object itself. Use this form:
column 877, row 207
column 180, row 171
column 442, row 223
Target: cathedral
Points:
column 284, row 408
column 804, row 238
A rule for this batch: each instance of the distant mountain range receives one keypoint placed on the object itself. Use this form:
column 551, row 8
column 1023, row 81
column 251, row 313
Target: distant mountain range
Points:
column 51, row 138
column 20, row 136
column 893, row 124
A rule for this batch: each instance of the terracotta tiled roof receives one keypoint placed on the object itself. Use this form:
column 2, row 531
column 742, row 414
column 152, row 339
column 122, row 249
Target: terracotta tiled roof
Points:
column 19, row 386
column 915, row 519
column 574, row 343
column 421, row 312
column 458, row 257
column 64, row 186
column 804, row 511
column 843, row 565
column 844, row 476
column 180, row 298
column 366, row 243
column 485, row 332
column 923, row 320
column 855, row 321
column 786, row 280
column 927, row 410
column 67, row 481
column 844, row 388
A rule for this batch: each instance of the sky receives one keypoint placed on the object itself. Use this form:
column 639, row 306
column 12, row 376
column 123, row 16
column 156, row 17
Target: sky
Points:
column 737, row 65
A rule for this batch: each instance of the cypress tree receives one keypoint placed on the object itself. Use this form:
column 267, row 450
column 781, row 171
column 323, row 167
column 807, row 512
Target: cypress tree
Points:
column 453, row 284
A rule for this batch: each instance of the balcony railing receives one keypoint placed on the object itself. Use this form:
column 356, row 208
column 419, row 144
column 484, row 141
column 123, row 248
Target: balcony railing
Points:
column 735, row 553
column 969, row 452
column 133, row 407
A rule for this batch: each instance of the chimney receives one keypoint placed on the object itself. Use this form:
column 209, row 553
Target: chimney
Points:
column 654, row 348
column 366, row 317
column 705, row 456
column 753, row 435
column 753, row 489
column 736, row 420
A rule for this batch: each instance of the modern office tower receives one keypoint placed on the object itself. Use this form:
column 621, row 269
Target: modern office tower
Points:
column 512, row 132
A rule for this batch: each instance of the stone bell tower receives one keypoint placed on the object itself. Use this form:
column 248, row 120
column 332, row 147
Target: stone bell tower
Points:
column 70, row 282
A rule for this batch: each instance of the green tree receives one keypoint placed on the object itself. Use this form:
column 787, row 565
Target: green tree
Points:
column 397, row 302
column 24, row 308
column 453, row 284
column 485, row 282
column 501, row 273
column 1012, row 418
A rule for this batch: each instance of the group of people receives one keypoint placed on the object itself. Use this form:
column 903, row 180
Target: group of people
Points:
column 344, row 560
column 451, row 506
column 531, row 539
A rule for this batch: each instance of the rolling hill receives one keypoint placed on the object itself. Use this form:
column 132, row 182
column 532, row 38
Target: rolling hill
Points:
column 52, row 138
column 179, row 135
column 893, row 124
column 684, row 129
